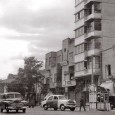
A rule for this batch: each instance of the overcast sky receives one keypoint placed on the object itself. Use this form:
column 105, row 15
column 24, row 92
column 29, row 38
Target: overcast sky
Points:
column 32, row 28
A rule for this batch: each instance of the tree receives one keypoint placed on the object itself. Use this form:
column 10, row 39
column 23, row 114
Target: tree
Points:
column 28, row 77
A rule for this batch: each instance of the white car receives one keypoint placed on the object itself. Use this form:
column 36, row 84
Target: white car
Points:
column 58, row 102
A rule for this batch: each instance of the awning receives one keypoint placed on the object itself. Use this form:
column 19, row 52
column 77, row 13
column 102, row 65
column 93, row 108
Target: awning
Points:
column 109, row 85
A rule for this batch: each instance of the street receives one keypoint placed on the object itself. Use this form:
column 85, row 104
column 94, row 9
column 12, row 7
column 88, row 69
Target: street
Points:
column 41, row 111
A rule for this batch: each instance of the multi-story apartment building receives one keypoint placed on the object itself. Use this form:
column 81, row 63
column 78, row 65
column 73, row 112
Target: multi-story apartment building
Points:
column 54, row 71
column 68, row 67
column 60, row 66
column 94, row 33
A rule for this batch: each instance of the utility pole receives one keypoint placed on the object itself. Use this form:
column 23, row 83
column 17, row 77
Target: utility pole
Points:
column 92, row 75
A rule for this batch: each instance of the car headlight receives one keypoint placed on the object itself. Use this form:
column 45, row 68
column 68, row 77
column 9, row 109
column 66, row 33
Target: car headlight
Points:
column 74, row 101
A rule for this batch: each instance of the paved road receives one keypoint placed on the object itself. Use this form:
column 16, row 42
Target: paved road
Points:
column 40, row 111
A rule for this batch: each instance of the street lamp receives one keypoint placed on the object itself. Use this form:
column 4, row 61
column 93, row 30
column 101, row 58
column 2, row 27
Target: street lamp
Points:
column 92, row 89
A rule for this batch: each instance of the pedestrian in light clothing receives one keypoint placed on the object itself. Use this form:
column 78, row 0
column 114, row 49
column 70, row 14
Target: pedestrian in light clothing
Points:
column 82, row 104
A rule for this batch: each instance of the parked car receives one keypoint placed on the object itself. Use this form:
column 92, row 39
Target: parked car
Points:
column 12, row 101
column 112, row 101
column 58, row 102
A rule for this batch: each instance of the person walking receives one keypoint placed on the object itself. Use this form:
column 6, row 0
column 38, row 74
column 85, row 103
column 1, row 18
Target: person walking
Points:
column 82, row 104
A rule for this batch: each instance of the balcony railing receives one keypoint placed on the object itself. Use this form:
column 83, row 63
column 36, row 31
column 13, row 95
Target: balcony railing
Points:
column 94, row 33
column 89, row 1
column 87, row 72
column 92, row 16
column 92, row 52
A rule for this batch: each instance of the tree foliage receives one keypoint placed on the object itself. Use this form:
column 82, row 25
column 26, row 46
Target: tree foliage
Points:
column 27, row 76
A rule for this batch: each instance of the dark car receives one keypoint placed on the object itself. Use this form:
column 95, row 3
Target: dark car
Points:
column 12, row 101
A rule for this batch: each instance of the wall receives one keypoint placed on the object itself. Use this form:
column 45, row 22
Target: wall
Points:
column 108, row 57
column 108, row 24
column 48, row 58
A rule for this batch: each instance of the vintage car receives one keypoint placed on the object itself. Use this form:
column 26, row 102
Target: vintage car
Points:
column 58, row 102
column 12, row 101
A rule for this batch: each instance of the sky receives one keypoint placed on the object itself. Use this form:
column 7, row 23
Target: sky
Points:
column 32, row 28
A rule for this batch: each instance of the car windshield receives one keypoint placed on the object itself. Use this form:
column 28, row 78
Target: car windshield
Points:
column 17, row 96
column 10, row 95
column 62, row 97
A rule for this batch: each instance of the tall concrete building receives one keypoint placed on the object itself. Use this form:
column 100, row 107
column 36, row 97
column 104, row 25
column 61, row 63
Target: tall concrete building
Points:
column 68, row 67
column 59, row 67
column 54, row 71
column 94, row 33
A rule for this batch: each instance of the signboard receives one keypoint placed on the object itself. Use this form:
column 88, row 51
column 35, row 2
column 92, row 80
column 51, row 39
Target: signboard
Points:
column 92, row 88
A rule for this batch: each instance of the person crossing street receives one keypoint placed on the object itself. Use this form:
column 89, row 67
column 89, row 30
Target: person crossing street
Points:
column 82, row 103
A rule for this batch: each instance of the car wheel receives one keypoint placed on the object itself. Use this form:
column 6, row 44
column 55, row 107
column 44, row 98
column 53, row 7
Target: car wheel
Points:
column 111, row 107
column 1, row 110
column 7, row 110
column 62, row 107
column 45, row 107
column 17, row 111
column 24, row 110
column 72, row 109
column 55, row 109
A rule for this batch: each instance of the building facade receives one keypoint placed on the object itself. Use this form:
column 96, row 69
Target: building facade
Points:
column 94, row 33
column 89, row 58
column 54, row 71
column 68, row 67
column 60, row 66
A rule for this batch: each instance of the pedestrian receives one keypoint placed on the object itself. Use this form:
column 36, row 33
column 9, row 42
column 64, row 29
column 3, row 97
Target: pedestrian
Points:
column 82, row 103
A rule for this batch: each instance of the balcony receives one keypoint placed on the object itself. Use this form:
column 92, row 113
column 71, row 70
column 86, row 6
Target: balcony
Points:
column 90, row 1
column 87, row 72
column 93, row 52
column 96, row 71
column 95, row 33
column 92, row 16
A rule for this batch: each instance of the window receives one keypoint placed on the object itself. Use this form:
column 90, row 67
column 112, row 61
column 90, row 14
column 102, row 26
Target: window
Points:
column 52, row 61
column 55, row 77
column 76, row 33
column 10, row 96
column 79, row 66
column 79, row 15
column 97, row 62
column 55, row 98
column 76, row 17
column 90, row 44
column 50, row 98
column 71, row 55
column 79, row 32
column 49, row 60
column 17, row 96
column 94, row 25
column 109, row 69
column 97, row 7
column 62, row 97
column 97, row 25
column 88, row 10
column 59, row 59
column 79, row 49
column 85, row 64
column 89, row 63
